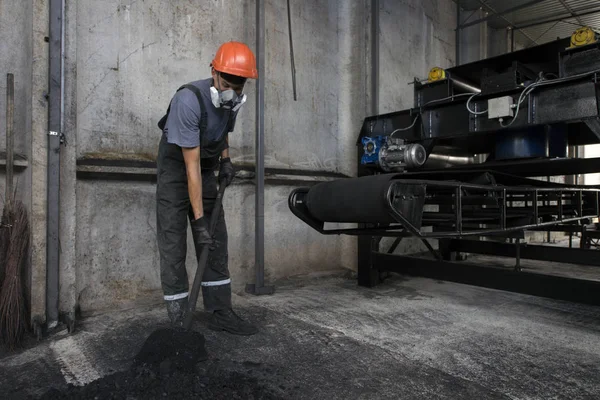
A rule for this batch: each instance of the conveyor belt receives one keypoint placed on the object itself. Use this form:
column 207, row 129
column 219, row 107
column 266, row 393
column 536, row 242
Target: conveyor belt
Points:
column 399, row 202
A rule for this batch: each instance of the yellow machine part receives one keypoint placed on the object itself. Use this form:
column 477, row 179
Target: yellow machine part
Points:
column 436, row 74
column 582, row 37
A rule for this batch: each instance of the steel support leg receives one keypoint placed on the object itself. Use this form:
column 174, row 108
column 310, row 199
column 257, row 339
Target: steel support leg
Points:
column 368, row 275
column 518, row 255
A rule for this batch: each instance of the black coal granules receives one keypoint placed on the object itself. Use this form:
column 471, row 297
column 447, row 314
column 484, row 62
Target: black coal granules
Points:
column 145, row 383
column 171, row 364
column 180, row 349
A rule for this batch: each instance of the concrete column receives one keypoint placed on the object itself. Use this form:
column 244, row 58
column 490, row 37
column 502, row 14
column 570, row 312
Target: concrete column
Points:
column 68, row 179
column 473, row 39
column 353, row 87
column 499, row 41
column 39, row 141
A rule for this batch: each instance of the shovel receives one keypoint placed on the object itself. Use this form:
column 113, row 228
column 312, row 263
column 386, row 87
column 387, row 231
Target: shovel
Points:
column 189, row 315
column 181, row 348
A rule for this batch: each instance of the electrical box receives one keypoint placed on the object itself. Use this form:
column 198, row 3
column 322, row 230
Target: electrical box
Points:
column 500, row 107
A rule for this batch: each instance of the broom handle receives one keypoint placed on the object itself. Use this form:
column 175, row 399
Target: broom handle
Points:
column 187, row 323
column 10, row 109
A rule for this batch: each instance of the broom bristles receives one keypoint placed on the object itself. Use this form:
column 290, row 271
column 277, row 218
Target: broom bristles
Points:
column 13, row 318
column 5, row 223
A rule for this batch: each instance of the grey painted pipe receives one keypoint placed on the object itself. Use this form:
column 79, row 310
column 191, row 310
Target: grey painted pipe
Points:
column 54, row 135
column 259, row 254
column 443, row 160
column 374, row 57
column 465, row 85
column 10, row 137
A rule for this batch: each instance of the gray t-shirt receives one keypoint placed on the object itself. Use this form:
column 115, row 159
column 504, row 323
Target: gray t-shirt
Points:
column 183, row 123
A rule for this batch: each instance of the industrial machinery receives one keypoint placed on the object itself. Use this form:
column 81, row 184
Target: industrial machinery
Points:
column 470, row 165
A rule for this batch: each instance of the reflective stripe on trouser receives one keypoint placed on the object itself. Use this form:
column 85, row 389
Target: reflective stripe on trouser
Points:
column 173, row 211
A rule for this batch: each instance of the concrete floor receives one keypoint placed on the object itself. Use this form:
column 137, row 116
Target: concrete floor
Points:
column 326, row 338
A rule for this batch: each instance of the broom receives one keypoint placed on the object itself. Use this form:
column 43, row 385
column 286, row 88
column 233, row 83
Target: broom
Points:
column 14, row 242
column 13, row 310
column 6, row 217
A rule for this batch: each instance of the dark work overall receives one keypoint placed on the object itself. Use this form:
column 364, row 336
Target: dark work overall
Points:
column 173, row 210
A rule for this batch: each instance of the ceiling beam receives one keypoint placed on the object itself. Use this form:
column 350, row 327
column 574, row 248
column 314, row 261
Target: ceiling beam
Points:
column 498, row 14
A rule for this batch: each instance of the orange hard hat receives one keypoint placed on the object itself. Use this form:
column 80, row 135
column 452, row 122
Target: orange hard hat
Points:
column 235, row 58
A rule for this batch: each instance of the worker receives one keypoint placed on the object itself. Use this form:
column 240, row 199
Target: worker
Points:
column 194, row 145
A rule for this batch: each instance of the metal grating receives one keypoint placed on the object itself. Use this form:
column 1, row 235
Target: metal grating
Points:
column 531, row 18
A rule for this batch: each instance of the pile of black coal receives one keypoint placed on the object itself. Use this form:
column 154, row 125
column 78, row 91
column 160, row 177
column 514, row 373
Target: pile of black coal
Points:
column 174, row 365
column 172, row 349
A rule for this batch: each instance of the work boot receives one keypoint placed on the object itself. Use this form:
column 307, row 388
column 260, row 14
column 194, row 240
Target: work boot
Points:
column 229, row 321
column 176, row 311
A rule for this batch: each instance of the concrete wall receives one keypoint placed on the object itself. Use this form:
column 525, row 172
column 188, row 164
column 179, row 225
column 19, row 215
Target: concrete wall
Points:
column 124, row 60
column 15, row 47
column 473, row 39
column 482, row 40
column 132, row 57
column 415, row 37
column 16, row 50
column 499, row 41
column 128, row 59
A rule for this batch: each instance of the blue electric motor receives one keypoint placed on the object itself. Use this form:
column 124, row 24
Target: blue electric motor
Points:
column 391, row 154
column 371, row 147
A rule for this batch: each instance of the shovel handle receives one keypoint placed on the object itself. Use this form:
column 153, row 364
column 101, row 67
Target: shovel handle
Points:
column 187, row 323
column 10, row 138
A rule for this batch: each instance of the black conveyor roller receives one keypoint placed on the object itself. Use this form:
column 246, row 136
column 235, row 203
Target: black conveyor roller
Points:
column 358, row 200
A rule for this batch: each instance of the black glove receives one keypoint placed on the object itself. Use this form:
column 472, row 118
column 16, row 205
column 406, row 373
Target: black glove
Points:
column 226, row 172
column 200, row 231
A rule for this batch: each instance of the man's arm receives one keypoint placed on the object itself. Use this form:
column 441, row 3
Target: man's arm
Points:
column 226, row 170
column 182, row 124
column 225, row 153
column 191, row 156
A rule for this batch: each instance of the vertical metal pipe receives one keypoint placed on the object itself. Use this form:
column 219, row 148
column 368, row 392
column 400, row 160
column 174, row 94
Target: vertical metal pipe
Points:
column 374, row 57
column 458, row 208
column 260, row 156
column 503, row 211
column 508, row 41
column 289, row 14
column 570, row 240
column 512, row 40
column 560, row 205
column 518, row 255
column 10, row 137
column 535, row 206
column 577, row 156
column 547, row 204
column 368, row 275
column 54, row 135
column 457, row 35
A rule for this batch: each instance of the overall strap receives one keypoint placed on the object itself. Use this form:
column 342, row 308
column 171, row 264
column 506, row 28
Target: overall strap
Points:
column 203, row 115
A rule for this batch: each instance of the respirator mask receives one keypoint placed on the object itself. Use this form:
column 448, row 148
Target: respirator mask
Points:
column 227, row 99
